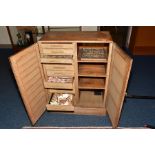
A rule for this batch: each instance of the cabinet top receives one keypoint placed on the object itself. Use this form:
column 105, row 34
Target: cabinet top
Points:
column 84, row 36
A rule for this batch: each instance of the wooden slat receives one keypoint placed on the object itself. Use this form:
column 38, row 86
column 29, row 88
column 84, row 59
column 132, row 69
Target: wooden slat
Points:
column 36, row 94
column 45, row 72
column 112, row 109
column 40, row 105
column 26, row 66
column 34, row 87
column 24, row 59
column 118, row 64
column 32, row 82
column 117, row 78
column 115, row 95
column 29, row 70
column 37, row 100
column 31, row 76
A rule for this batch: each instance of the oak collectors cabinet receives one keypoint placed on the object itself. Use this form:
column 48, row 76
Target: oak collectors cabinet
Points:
column 88, row 65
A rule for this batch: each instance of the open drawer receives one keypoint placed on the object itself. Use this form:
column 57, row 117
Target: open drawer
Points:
column 61, row 102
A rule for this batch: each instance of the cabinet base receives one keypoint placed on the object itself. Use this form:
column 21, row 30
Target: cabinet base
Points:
column 89, row 111
column 78, row 110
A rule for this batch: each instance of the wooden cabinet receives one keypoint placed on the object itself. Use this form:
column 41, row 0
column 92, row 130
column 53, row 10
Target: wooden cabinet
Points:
column 142, row 40
column 92, row 67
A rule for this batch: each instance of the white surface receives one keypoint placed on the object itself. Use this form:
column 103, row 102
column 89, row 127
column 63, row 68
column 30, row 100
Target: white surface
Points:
column 64, row 28
column 13, row 31
column 89, row 28
column 4, row 37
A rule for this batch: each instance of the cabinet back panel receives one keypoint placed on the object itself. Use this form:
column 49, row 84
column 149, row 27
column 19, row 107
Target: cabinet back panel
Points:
column 90, row 100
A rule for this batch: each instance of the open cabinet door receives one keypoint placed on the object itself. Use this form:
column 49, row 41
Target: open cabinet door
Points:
column 118, row 80
column 28, row 74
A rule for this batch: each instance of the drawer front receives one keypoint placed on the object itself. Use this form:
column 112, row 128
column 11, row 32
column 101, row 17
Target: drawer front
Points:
column 59, row 70
column 54, row 60
column 44, row 46
column 57, row 51
column 60, row 73
column 67, row 59
column 59, row 67
column 58, row 85
column 60, row 107
column 61, row 91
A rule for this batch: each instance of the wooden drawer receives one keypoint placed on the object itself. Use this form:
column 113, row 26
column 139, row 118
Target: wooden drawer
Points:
column 60, row 107
column 52, row 45
column 57, row 51
column 60, row 73
column 59, row 67
column 58, row 85
column 68, row 107
column 59, row 70
column 59, row 59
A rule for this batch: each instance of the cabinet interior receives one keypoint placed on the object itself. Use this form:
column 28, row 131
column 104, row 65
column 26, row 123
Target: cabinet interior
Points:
column 92, row 74
column 85, row 77
column 93, row 52
column 91, row 83
column 91, row 98
column 92, row 70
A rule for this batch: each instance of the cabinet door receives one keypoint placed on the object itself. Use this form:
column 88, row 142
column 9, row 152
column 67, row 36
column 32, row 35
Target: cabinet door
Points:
column 118, row 80
column 28, row 74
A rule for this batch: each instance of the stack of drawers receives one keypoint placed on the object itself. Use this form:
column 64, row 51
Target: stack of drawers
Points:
column 58, row 64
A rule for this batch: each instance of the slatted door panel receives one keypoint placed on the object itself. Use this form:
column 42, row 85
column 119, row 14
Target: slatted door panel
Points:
column 28, row 74
column 119, row 75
